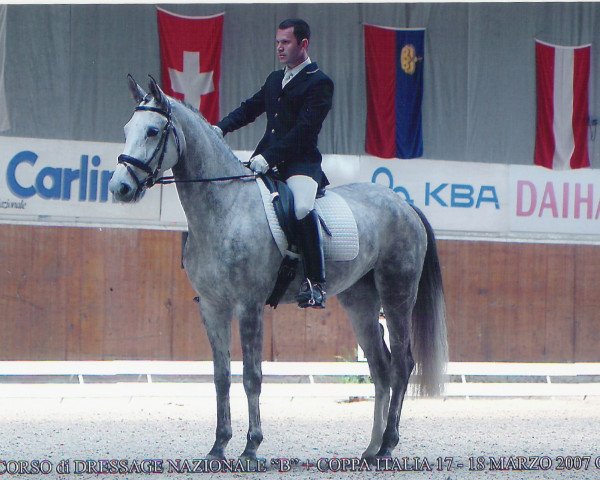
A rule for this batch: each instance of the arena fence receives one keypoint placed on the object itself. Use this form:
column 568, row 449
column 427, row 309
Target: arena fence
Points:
column 345, row 379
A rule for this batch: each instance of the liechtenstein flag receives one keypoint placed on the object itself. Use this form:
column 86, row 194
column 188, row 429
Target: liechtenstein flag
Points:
column 394, row 67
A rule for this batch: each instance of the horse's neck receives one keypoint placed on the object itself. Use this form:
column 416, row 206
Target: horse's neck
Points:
column 207, row 157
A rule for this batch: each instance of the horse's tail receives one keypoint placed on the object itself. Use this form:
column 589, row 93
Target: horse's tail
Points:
column 429, row 340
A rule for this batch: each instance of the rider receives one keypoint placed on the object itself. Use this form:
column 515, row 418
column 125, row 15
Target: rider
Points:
column 296, row 100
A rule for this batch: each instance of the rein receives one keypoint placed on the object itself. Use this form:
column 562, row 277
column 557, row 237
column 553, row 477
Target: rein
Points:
column 171, row 180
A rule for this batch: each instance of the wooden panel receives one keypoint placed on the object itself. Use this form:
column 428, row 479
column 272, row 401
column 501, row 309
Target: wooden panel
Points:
column 587, row 301
column 137, row 286
column 189, row 340
column 560, row 308
column 509, row 302
column 448, row 252
column 18, row 297
column 503, row 305
column 523, row 330
column 464, row 280
column 93, row 294
column 330, row 337
column 313, row 335
column 86, row 323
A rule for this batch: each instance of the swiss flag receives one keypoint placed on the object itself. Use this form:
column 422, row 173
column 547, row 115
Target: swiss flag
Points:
column 190, row 51
column 562, row 79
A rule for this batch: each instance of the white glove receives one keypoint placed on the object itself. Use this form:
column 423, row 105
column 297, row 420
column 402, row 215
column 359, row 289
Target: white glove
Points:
column 258, row 164
column 218, row 130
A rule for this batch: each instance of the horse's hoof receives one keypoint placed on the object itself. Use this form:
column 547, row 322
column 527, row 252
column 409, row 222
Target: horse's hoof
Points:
column 384, row 453
column 378, row 461
column 215, row 456
column 252, row 463
column 371, row 459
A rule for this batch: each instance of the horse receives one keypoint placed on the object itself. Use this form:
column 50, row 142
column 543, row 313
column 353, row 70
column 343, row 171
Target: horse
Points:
column 232, row 261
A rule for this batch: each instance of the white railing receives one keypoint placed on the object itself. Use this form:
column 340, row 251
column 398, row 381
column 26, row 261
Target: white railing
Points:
column 166, row 378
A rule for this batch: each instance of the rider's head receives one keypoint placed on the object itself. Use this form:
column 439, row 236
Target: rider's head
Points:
column 301, row 28
column 292, row 38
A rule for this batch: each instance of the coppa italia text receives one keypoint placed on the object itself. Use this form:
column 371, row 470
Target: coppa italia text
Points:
column 566, row 463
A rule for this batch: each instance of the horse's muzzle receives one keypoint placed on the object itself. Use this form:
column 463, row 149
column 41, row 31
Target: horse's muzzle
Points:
column 121, row 191
column 122, row 188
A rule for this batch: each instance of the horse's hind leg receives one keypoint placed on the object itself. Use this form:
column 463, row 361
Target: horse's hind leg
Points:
column 218, row 328
column 251, row 333
column 398, row 303
column 362, row 304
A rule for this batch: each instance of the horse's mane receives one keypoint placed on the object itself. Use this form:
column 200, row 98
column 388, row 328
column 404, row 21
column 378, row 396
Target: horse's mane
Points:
column 222, row 144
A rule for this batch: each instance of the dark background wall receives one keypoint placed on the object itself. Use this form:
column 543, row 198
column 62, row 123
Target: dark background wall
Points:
column 66, row 68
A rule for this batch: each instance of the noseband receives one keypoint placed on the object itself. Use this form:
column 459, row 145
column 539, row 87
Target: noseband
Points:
column 159, row 151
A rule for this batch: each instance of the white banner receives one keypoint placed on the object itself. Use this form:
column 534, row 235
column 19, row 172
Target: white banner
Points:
column 63, row 182
column 551, row 201
column 60, row 182
column 455, row 196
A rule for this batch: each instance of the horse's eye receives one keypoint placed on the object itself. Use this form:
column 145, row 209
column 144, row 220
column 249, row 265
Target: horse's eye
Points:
column 152, row 131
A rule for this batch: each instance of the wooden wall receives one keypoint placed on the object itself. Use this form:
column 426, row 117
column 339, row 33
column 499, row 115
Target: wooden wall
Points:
column 522, row 302
column 102, row 294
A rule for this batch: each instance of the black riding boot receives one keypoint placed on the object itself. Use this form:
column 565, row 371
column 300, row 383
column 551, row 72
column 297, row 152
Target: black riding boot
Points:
column 312, row 293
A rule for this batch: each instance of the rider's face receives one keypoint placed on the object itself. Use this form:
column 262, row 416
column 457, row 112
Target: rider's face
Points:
column 289, row 51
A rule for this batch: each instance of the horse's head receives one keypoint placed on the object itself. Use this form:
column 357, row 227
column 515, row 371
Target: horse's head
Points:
column 153, row 144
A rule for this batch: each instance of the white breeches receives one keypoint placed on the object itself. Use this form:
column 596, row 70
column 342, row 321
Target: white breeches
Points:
column 304, row 190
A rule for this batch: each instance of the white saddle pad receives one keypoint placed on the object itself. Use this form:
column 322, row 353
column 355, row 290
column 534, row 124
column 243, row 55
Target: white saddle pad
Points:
column 342, row 245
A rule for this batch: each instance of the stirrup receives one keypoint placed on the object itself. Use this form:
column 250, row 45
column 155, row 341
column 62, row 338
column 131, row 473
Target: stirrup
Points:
column 311, row 295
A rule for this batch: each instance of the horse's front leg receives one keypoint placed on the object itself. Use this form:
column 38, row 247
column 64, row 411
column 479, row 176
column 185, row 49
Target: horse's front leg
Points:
column 217, row 320
column 251, row 332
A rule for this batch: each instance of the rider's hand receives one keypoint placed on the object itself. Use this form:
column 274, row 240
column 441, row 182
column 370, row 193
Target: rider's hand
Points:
column 218, row 130
column 258, row 164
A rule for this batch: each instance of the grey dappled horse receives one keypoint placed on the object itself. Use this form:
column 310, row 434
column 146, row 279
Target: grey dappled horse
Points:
column 232, row 261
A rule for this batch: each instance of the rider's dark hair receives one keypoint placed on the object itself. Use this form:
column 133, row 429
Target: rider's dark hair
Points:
column 301, row 28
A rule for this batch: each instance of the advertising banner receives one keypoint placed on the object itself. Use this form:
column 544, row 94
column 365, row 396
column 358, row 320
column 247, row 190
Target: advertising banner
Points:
column 550, row 201
column 57, row 182
column 455, row 196
column 65, row 182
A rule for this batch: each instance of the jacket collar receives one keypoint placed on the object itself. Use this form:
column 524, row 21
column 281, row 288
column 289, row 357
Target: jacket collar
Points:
column 308, row 70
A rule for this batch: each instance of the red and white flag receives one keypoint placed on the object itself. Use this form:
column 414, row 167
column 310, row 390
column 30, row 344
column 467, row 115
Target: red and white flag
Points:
column 562, row 79
column 190, row 51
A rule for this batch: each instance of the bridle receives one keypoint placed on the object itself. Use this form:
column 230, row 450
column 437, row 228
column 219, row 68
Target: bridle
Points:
column 160, row 151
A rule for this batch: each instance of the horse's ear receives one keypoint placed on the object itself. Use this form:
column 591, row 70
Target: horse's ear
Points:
column 137, row 92
column 158, row 94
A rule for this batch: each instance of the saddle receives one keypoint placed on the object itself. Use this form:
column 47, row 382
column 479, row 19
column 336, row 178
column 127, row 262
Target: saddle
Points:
column 338, row 225
column 283, row 204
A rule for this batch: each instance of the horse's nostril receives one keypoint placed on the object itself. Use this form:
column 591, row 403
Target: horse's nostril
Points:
column 124, row 189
